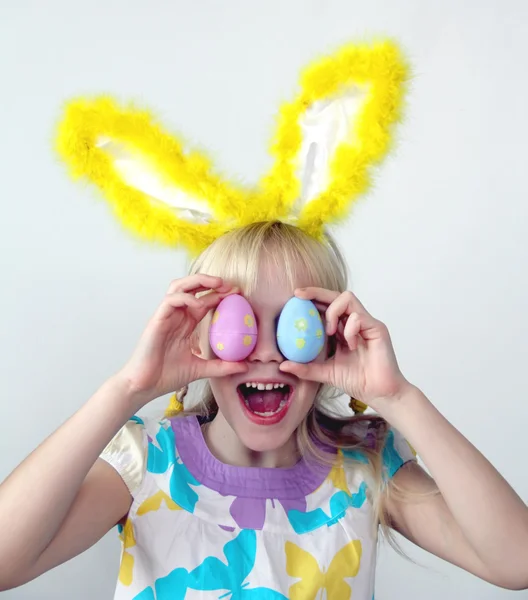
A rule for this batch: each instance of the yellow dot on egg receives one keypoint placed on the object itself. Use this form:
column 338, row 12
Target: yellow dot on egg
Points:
column 220, row 346
column 215, row 317
column 301, row 324
column 247, row 340
column 300, row 343
column 319, row 333
column 248, row 321
column 311, row 312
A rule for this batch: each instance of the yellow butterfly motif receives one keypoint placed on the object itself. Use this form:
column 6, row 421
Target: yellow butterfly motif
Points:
column 127, row 560
column 301, row 564
column 337, row 475
column 154, row 503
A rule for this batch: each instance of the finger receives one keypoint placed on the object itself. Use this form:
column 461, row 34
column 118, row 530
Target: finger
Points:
column 197, row 307
column 225, row 290
column 346, row 304
column 321, row 308
column 318, row 294
column 355, row 303
column 212, row 300
column 328, row 296
column 334, row 312
column 369, row 328
column 196, row 283
column 340, row 337
column 320, row 372
column 200, row 306
column 181, row 300
column 219, row 368
column 351, row 331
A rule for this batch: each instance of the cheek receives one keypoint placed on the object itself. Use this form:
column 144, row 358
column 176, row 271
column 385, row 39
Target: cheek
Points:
column 306, row 393
column 224, row 398
column 207, row 352
column 325, row 352
column 202, row 333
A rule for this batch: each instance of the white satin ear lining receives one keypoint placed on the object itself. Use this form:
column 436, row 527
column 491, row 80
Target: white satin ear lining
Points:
column 325, row 125
column 138, row 174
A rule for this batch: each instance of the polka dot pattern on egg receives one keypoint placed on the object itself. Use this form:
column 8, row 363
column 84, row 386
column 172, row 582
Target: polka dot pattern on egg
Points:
column 300, row 332
column 233, row 330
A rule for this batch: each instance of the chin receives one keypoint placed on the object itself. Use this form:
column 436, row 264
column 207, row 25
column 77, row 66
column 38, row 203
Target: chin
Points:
column 260, row 439
column 264, row 412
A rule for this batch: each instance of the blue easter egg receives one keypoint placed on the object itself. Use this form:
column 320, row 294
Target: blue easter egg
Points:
column 300, row 331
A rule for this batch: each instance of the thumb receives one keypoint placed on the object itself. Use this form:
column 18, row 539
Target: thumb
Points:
column 320, row 372
column 219, row 368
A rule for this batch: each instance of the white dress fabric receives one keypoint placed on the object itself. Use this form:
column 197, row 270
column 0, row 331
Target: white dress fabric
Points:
column 201, row 529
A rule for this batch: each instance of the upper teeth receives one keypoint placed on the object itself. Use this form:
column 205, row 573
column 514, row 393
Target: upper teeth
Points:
column 264, row 386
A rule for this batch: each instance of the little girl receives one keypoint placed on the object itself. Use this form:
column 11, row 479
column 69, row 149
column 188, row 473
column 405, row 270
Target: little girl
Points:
column 263, row 490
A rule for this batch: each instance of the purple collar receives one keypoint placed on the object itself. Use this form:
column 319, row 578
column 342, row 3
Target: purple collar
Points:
column 253, row 482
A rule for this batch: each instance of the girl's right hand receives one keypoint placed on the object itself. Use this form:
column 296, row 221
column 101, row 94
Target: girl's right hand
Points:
column 163, row 361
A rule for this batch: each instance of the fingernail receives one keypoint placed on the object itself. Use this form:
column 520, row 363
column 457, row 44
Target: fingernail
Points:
column 229, row 290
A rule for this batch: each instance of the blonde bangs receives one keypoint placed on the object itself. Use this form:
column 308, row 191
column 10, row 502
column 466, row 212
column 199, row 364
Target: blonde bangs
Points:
column 236, row 257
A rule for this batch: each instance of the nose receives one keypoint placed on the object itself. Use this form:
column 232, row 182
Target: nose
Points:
column 266, row 349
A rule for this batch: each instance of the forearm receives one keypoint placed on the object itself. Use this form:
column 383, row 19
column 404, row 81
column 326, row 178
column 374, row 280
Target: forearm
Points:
column 36, row 497
column 491, row 516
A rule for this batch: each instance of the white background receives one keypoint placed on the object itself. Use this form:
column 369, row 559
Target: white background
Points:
column 438, row 250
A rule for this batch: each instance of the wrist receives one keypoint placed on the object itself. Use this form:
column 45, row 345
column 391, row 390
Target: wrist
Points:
column 127, row 393
column 395, row 407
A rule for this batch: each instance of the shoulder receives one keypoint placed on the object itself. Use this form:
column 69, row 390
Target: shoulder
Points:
column 374, row 440
column 127, row 453
column 144, row 444
column 396, row 452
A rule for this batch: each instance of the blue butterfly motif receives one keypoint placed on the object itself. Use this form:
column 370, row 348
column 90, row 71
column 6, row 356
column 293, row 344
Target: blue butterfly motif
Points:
column 172, row 587
column 356, row 455
column 213, row 574
column 146, row 594
column 181, row 480
column 391, row 459
column 339, row 503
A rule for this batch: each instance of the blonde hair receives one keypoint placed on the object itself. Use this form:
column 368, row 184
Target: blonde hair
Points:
column 236, row 257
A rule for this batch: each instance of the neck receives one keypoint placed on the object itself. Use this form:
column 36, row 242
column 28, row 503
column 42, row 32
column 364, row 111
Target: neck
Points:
column 224, row 444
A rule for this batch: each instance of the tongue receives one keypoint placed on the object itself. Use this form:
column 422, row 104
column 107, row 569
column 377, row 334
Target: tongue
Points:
column 264, row 401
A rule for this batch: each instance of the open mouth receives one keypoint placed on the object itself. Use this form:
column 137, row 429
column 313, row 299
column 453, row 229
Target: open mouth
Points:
column 265, row 403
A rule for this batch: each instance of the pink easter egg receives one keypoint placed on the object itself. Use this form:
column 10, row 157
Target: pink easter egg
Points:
column 233, row 329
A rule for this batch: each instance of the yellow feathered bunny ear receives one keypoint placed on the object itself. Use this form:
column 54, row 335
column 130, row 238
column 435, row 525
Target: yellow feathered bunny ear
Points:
column 328, row 138
column 158, row 190
column 338, row 127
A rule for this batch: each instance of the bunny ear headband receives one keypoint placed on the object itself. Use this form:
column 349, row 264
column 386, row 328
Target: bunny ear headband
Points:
column 327, row 140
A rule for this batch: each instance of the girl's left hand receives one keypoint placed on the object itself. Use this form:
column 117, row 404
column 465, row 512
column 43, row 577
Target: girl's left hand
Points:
column 364, row 365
